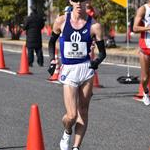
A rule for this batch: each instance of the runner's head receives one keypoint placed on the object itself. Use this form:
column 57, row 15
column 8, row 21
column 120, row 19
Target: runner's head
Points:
column 79, row 5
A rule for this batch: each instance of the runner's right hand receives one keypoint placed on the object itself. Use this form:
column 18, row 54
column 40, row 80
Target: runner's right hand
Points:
column 52, row 67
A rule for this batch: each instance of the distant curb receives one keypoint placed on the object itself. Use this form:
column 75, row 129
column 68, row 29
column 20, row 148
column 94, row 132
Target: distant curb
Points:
column 122, row 59
column 111, row 58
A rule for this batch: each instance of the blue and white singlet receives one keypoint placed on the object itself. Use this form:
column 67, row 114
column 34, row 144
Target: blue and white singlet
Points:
column 75, row 44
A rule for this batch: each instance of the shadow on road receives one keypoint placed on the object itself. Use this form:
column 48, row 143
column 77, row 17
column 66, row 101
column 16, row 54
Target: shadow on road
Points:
column 12, row 147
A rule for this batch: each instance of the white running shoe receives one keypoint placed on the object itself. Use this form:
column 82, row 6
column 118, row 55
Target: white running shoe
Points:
column 146, row 99
column 65, row 141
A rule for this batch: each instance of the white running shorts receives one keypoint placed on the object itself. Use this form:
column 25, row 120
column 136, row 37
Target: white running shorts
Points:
column 75, row 74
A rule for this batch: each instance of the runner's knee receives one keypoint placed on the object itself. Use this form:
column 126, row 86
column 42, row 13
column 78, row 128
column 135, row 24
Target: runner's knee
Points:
column 72, row 117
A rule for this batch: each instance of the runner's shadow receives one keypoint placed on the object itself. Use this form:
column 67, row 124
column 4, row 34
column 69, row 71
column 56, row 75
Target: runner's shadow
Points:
column 12, row 147
column 97, row 97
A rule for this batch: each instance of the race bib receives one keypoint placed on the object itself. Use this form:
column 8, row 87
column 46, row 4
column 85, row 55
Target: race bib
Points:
column 75, row 49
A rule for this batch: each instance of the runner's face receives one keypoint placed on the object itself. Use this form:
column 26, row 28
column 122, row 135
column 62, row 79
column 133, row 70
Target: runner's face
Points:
column 76, row 1
column 79, row 5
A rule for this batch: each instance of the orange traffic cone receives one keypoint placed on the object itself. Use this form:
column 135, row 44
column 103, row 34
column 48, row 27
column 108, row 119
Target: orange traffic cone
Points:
column 35, row 137
column 2, row 61
column 24, row 66
column 139, row 96
column 96, row 80
column 54, row 77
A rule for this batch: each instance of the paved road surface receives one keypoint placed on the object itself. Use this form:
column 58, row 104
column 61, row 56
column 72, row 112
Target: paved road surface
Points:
column 116, row 121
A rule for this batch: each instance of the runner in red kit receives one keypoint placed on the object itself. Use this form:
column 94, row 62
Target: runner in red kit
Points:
column 142, row 25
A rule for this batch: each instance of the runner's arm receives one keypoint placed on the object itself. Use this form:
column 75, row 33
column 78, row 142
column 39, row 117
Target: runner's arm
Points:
column 96, row 31
column 137, row 27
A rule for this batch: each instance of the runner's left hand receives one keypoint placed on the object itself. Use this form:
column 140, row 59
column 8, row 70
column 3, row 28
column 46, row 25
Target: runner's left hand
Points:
column 94, row 64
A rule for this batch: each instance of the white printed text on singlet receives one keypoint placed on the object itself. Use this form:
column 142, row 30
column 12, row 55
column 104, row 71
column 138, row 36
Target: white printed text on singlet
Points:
column 75, row 48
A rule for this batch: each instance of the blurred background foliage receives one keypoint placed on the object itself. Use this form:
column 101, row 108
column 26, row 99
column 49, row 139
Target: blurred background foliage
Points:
column 109, row 13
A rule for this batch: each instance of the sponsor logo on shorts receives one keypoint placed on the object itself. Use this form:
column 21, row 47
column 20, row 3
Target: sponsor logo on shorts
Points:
column 63, row 77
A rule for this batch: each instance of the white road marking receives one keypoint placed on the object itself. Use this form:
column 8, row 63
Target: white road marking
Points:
column 114, row 64
column 120, row 65
column 8, row 71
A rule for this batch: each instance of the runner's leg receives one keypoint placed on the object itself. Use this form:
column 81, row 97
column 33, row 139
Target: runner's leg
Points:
column 70, row 101
column 85, row 92
column 145, row 64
